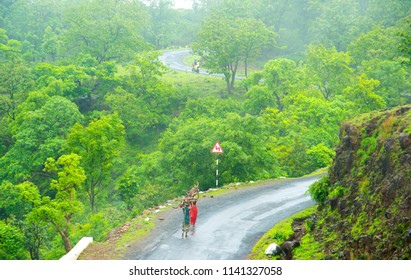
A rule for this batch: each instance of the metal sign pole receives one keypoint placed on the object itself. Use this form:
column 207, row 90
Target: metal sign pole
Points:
column 216, row 150
column 216, row 171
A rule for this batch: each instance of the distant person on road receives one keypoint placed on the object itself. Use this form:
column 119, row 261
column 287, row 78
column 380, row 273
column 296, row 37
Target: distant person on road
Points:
column 193, row 213
column 196, row 66
column 186, row 219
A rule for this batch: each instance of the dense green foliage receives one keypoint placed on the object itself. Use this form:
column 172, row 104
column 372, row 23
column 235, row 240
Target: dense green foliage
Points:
column 92, row 132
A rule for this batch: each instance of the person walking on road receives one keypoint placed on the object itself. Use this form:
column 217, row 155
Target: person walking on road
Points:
column 186, row 220
column 193, row 213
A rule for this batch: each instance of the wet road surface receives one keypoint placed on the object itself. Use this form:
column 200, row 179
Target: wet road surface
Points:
column 227, row 226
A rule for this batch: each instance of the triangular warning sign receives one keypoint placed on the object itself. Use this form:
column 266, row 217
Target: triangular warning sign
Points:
column 217, row 149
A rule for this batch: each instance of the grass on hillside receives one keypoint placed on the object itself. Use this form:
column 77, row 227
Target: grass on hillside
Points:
column 202, row 85
column 309, row 249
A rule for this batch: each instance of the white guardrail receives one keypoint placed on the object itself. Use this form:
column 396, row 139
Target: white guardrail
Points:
column 76, row 251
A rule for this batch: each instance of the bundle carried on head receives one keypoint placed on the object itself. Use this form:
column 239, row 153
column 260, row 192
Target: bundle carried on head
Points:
column 191, row 196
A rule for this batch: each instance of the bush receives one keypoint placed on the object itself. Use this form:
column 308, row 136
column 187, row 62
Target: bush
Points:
column 11, row 243
column 320, row 190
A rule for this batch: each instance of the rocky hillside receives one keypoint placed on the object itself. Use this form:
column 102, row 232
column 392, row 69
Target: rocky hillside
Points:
column 365, row 202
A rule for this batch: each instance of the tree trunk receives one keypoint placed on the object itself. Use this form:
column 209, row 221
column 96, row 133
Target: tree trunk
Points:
column 228, row 82
column 233, row 73
column 227, row 77
column 67, row 244
column 64, row 236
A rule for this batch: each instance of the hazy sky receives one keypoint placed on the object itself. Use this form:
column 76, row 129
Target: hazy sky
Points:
column 182, row 4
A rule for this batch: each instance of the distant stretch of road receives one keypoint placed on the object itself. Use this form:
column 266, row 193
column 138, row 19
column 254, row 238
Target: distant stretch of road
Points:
column 175, row 60
column 227, row 226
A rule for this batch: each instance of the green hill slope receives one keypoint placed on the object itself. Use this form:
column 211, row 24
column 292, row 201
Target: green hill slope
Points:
column 368, row 210
column 364, row 204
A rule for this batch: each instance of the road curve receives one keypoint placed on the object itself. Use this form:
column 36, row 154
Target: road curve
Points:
column 175, row 60
column 227, row 226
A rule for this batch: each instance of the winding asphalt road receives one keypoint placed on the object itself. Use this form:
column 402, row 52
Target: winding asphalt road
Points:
column 227, row 226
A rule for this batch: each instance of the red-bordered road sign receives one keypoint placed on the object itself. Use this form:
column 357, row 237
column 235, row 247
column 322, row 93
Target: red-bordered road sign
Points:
column 217, row 149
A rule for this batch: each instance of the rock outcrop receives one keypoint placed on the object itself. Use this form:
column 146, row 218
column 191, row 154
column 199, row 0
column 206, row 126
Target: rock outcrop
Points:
column 367, row 214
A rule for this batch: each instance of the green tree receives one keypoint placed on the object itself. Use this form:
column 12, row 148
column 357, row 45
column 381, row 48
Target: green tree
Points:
column 138, row 187
column 255, row 36
column 363, row 95
column 107, row 30
column 394, row 90
column 14, row 76
column 225, row 41
column 328, row 70
column 17, row 200
column 98, row 144
column 218, row 46
column 375, row 57
column 131, row 112
column 39, row 134
column 162, row 22
column 36, row 236
column 60, row 210
column 306, row 122
column 50, row 45
column 248, row 154
column 290, row 19
column 28, row 22
column 336, row 22
column 278, row 79
column 60, row 80
column 184, row 27
column 258, row 99
column 85, row 82
column 375, row 44
column 143, row 101
column 128, row 188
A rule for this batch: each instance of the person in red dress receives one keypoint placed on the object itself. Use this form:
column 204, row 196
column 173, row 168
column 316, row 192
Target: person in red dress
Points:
column 193, row 213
